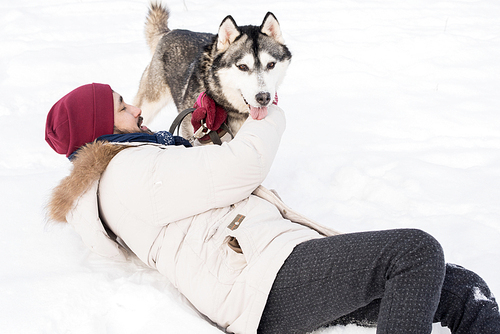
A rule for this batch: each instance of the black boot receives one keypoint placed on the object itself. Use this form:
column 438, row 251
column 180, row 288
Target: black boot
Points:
column 467, row 305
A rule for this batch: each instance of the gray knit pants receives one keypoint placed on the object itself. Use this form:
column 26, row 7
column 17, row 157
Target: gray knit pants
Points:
column 392, row 279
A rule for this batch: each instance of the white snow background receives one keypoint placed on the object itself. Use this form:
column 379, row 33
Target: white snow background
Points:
column 393, row 112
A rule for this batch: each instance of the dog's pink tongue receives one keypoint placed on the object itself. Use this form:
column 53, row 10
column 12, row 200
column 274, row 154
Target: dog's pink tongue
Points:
column 258, row 113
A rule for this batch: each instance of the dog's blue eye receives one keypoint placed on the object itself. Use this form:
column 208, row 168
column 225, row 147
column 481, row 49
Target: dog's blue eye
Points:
column 243, row 68
column 271, row 65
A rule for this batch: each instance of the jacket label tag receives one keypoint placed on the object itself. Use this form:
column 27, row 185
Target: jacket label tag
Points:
column 236, row 222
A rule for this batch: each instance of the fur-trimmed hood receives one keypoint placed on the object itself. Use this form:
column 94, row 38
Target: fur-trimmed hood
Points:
column 88, row 165
column 75, row 199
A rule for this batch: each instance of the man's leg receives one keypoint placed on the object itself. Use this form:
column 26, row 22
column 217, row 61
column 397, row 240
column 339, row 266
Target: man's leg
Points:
column 325, row 279
column 466, row 306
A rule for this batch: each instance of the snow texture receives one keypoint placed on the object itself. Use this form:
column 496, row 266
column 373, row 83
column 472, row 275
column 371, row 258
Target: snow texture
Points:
column 393, row 121
column 479, row 295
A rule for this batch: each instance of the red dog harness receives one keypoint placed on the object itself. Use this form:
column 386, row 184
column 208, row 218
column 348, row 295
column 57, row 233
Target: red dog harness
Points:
column 208, row 119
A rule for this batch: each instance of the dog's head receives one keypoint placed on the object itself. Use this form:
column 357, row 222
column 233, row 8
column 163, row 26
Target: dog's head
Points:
column 249, row 63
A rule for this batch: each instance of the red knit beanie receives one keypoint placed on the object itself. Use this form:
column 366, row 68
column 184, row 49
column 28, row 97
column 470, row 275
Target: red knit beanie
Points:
column 80, row 117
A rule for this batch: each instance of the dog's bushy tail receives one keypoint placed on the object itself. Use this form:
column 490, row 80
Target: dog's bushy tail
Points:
column 156, row 24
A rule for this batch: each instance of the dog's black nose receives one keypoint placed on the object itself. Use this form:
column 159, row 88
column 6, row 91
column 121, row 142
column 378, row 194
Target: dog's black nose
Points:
column 263, row 98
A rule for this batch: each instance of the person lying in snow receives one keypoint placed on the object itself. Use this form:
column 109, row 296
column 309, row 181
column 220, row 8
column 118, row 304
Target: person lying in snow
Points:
column 242, row 257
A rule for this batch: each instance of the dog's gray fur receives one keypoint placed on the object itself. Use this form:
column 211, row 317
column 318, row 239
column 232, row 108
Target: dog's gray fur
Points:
column 239, row 67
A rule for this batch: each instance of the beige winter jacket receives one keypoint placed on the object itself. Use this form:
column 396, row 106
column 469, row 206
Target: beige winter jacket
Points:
column 197, row 215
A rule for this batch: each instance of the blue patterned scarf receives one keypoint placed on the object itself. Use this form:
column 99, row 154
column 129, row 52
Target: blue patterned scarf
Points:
column 160, row 137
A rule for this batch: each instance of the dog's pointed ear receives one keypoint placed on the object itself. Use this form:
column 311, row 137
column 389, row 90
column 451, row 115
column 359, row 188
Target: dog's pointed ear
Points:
column 271, row 28
column 228, row 32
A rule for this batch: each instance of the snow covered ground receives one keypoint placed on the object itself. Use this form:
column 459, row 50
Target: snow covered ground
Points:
column 393, row 121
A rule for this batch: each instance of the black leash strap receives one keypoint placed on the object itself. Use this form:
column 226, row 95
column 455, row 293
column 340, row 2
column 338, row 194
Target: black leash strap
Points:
column 178, row 120
column 215, row 138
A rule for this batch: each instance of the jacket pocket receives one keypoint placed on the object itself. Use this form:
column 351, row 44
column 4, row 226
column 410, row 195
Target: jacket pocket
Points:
column 233, row 243
column 235, row 259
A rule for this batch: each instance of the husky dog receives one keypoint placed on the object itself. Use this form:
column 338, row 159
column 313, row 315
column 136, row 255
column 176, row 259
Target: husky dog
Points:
column 240, row 68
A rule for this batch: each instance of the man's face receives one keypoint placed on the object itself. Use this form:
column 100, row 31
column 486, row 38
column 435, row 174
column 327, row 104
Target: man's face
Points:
column 127, row 118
